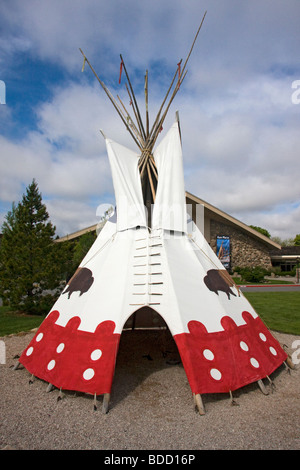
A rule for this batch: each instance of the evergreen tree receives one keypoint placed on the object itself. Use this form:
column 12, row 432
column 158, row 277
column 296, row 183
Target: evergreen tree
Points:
column 297, row 240
column 81, row 248
column 31, row 264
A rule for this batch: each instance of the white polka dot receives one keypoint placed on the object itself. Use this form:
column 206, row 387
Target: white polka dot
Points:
column 244, row 346
column 254, row 362
column 216, row 374
column 51, row 365
column 29, row 351
column 208, row 354
column 88, row 374
column 96, row 354
column 273, row 351
column 60, row 348
column 262, row 337
column 39, row 337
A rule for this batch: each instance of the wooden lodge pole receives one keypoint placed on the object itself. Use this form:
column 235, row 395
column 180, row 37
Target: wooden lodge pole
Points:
column 134, row 100
column 111, row 98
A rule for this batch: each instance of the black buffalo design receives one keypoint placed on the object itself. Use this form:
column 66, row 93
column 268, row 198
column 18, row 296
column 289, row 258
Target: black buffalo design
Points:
column 81, row 281
column 219, row 280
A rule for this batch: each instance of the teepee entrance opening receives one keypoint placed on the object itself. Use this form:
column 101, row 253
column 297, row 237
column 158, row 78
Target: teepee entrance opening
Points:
column 146, row 348
column 145, row 318
column 148, row 327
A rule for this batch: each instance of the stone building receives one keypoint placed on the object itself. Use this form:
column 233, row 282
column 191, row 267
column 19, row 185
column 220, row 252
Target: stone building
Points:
column 247, row 246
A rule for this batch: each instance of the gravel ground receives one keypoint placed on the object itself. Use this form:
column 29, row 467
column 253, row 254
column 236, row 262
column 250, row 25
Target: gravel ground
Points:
column 151, row 406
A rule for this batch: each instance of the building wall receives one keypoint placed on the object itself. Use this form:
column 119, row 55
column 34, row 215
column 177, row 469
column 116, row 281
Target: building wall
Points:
column 245, row 250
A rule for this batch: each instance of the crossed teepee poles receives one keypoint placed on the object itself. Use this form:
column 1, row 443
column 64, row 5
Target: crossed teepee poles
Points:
column 143, row 136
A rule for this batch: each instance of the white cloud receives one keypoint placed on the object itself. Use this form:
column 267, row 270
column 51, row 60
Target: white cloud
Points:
column 240, row 129
column 66, row 155
column 70, row 215
column 234, row 157
column 236, row 35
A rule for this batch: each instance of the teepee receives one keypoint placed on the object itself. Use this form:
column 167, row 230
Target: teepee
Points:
column 151, row 255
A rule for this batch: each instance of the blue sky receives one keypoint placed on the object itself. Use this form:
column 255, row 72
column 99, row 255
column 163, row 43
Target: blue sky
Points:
column 240, row 126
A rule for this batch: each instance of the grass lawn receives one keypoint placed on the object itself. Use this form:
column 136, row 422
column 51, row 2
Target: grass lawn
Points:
column 14, row 322
column 279, row 310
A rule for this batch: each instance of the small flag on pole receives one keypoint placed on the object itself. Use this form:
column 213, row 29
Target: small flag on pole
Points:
column 121, row 68
column 179, row 73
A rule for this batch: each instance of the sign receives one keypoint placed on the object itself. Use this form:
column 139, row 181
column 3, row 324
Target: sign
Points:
column 223, row 250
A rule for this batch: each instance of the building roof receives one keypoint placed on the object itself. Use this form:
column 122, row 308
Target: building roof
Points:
column 229, row 219
column 291, row 253
column 210, row 209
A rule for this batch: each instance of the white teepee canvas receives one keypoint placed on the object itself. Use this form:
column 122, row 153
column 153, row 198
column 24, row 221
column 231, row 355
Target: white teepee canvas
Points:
column 158, row 259
column 170, row 268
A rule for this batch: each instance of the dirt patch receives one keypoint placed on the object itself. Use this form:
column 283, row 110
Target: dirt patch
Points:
column 151, row 406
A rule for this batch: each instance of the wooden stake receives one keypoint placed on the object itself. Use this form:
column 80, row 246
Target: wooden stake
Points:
column 16, row 366
column 233, row 402
column 273, row 386
column 199, row 404
column 49, row 388
column 95, row 402
column 106, row 398
column 262, row 387
column 290, row 363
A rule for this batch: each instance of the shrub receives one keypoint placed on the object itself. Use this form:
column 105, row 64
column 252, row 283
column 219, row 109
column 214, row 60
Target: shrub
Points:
column 250, row 274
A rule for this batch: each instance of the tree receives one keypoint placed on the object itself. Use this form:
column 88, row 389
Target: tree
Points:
column 297, row 240
column 261, row 230
column 31, row 264
column 81, row 248
column 283, row 242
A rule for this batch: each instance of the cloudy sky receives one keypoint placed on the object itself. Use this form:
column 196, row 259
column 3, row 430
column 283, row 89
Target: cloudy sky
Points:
column 239, row 112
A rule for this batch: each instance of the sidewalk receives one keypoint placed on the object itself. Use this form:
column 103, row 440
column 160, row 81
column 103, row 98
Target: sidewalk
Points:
column 289, row 279
column 290, row 286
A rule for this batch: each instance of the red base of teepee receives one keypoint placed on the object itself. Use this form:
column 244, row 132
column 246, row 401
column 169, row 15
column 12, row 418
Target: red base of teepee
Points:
column 229, row 359
column 72, row 359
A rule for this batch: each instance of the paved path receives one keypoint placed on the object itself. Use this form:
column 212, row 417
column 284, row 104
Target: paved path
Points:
column 271, row 288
